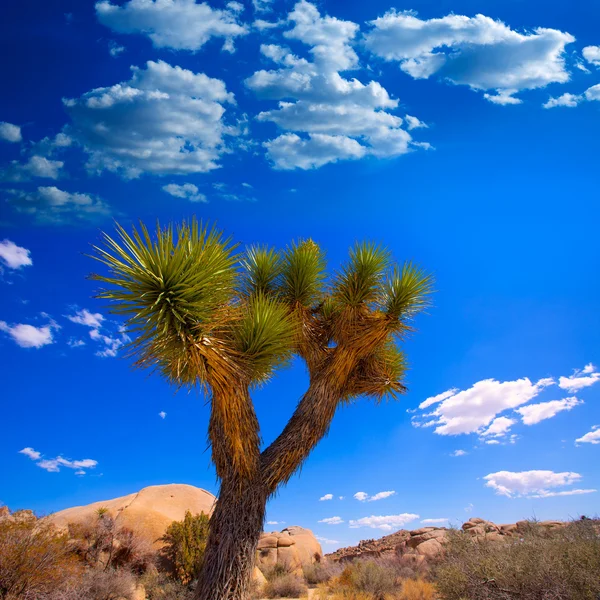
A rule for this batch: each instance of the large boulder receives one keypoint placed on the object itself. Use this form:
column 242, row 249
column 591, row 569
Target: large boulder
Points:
column 291, row 549
column 148, row 512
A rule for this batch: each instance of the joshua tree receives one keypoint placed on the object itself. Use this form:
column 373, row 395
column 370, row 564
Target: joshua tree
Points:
column 206, row 316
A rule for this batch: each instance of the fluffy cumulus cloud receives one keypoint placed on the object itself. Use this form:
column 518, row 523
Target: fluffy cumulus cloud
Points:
column 186, row 190
column 534, row 413
column 326, row 497
column 53, row 465
column 364, row 497
column 162, row 414
column 478, row 51
column 534, row 484
column 475, row 410
column 592, row 55
column 13, row 256
column 580, row 379
column 176, row 24
column 386, row 523
column 85, row 317
column 30, row 336
column 50, row 204
column 164, row 120
column 35, row 166
column 10, row 132
column 591, row 437
column 323, row 116
column 568, row 100
column 332, row 521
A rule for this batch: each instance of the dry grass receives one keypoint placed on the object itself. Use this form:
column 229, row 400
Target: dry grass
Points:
column 380, row 579
column 285, row 586
column 560, row 564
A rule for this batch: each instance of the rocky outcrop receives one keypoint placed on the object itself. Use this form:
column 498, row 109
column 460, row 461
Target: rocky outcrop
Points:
column 291, row 548
column 148, row 512
column 427, row 543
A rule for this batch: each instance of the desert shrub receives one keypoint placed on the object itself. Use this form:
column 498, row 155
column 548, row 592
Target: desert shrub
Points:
column 35, row 559
column 561, row 564
column 102, row 543
column 320, row 572
column 285, row 586
column 185, row 542
column 417, row 589
column 280, row 569
column 159, row 586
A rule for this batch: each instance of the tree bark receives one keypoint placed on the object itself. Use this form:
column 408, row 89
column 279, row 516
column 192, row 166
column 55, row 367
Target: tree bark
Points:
column 235, row 528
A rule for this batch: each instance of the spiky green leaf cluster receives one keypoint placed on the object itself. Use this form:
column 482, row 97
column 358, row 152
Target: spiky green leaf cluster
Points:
column 302, row 274
column 406, row 292
column 264, row 335
column 360, row 280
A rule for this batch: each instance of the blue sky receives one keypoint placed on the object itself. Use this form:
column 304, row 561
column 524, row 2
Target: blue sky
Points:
column 463, row 135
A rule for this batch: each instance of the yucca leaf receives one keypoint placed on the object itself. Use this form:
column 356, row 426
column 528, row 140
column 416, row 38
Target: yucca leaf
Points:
column 264, row 335
column 360, row 280
column 407, row 292
column 302, row 273
column 261, row 269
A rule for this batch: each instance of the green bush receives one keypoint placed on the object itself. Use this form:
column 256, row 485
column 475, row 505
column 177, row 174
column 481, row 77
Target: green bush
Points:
column 185, row 542
column 319, row 572
column 558, row 564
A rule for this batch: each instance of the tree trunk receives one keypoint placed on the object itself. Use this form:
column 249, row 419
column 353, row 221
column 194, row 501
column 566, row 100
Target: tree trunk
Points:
column 235, row 528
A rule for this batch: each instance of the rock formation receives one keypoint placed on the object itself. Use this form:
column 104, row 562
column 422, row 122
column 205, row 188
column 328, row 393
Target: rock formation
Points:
column 151, row 510
column 148, row 512
column 428, row 542
column 291, row 548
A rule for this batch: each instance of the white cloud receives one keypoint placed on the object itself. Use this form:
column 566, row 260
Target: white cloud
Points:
column 53, row 465
column 326, row 497
column 434, row 521
column 35, row 166
column 474, row 409
column 480, row 52
column 187, row 190
column 459, row 453
column 503, row 97
column 110, row 344
column 13, row 256
column 386, row 523
column 164, row 120
column 569, row 100
column 592, row 55
column 31, row 453
column 50, row 204
column 498, row 428
column 262, row 5
column 332, row 521
column 469, row 508
column 115, row 49
column 534, row 413
column 75, row 343
column 364, row 497
column 591, row 437
column 85, row 317
column 533, row 484
column 325, row 540
column 325, row 117
column 29, row 336
column 437, row 399
column 10, row 132
column 176, row 24
column 162, row 414
column 580, row 379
